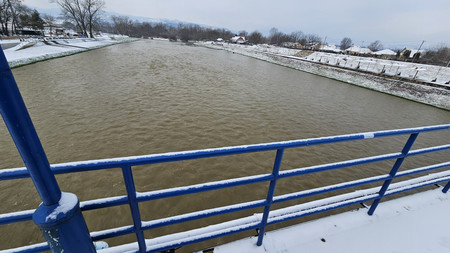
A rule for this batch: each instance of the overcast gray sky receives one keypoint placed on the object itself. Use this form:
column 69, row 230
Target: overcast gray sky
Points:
column 394, row 22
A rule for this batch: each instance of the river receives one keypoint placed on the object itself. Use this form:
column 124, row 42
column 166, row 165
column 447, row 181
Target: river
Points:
column 155, row 96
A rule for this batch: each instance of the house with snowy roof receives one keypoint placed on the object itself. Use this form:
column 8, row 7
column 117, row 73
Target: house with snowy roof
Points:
column 385, row 53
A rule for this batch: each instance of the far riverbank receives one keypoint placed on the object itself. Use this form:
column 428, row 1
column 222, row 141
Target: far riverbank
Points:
column 437, row 94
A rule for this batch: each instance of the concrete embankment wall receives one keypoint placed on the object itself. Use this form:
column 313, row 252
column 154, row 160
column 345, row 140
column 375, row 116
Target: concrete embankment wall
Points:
column 435, row 96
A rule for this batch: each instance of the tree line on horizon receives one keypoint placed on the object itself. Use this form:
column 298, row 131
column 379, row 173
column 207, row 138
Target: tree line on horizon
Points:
column 84, row 16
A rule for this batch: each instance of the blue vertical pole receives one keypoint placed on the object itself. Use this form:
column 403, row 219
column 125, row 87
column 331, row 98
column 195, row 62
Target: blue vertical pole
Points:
column 132, row 200
column 64, row 231
column 273, row 182
column 447, row 186
column 394, row 170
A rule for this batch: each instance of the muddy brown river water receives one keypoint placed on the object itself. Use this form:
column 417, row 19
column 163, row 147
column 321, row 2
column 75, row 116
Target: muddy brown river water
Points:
column 155, row 96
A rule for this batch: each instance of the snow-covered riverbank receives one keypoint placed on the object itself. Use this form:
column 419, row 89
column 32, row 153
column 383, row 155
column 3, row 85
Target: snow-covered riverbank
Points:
column 420, row 89
column 29, row 51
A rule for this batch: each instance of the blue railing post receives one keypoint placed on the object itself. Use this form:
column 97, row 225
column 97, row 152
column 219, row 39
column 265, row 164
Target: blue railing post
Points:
column 412, row 138
column 59, row 216
column 447, row 186
column 132, row 201
column 273, row 182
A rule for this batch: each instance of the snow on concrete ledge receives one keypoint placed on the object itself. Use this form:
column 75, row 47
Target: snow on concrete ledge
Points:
column 31, row 51
column 413, row 224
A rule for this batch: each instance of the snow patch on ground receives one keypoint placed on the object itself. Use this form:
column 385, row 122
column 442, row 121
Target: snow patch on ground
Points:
column 410, row 224
column 30, row 51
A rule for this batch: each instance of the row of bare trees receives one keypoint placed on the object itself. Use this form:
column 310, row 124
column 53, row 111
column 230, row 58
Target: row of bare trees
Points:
column 185, row 32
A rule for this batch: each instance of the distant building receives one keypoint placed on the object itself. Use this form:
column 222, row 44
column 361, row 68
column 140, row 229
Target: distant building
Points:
column 238, row 40
column 409, row 53
column 385, row 54
column 358, row 50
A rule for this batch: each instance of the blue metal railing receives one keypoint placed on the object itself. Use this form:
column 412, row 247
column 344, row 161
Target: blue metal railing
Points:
column 14, row 114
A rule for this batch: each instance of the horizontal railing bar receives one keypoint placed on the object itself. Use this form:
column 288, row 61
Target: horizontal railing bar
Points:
column 428, row 150
column 338, row 165
column 347, row 199
column 19, row 216
column 418, row 180
column 332, row 206
column 8, row 174
column 8, row 218
column 233, row 226
column 418, row 185
column 423, row 169
column 121, row 200
column 202, row 214
column 330, row 188
column 113, row 232
column 104, row 202
column 158, row 194
column 213, row 152
column 192, row 240
column 39, row 247
column 353, row 198
column 320, row 209
column 345, row 185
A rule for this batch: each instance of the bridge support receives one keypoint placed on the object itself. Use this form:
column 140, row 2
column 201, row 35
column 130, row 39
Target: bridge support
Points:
column 59, row 216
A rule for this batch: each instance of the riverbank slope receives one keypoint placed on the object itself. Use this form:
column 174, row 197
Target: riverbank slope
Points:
column 416, row 82
column 35, row 50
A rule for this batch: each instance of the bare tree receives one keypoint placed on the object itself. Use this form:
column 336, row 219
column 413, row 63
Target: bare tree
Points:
column 122, row 24
column 93, row 9
column 74, row 11
column 346, row 43
column 375, row 46
column 297, row 36
column 10, row 11
column 5, row 16
column 84, row 13
column 274, row 36
column 255, row 37
column 50, row 21
column 243, row 33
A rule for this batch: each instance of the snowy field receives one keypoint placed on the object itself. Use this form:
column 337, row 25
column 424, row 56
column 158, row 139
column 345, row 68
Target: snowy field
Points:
column 413, row 224
column 30, row 51
column 365, row 72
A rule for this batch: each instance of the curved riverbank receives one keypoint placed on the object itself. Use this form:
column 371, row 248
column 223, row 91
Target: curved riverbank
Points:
column 435, row 95
column 31, row 51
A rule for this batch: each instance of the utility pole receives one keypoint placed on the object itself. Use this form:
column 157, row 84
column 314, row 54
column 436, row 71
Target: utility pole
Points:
column 418, row 51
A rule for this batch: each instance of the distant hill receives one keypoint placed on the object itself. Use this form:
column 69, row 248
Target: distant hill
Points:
column 107, row 16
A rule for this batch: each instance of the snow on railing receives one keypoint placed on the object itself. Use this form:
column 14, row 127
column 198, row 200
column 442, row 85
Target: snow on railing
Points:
column 256, row 221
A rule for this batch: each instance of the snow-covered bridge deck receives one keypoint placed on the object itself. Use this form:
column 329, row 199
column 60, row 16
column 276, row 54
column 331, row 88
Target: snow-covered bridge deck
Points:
column 417, row 223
